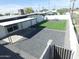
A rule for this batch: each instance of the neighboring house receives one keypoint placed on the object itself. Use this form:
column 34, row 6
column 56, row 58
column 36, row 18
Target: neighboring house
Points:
column 21, row 12
column 12, row 12
column 52, row 12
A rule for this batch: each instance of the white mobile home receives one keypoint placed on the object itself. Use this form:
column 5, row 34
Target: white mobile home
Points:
column 10, row 26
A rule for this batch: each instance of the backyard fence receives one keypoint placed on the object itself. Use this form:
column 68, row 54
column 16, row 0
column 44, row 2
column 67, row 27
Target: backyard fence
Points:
column 62, row 53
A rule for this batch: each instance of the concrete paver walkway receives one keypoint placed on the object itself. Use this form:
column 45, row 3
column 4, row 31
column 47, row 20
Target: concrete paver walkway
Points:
column 36, row 41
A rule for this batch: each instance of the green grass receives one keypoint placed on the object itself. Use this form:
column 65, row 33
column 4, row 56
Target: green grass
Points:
column 58, row 25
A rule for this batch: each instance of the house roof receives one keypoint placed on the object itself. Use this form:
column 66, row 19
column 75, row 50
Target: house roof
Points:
column 16, row 16
column 7, row 17
column 15, row 21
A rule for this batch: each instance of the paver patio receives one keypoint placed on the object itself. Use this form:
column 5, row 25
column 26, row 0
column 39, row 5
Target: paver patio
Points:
column 36, row 40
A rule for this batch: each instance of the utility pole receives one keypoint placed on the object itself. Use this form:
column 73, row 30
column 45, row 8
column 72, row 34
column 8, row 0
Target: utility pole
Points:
column 72, row 8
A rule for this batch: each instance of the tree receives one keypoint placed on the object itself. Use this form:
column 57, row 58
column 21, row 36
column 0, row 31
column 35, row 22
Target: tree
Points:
column 7, row 14
column 28, row 10
column 1, row 15
column 43, row 10
column 62, row 11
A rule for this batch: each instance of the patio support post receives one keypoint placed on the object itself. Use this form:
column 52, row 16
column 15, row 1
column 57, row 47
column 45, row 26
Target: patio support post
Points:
column 10, row 39
column 36, row 20
column 21, row 25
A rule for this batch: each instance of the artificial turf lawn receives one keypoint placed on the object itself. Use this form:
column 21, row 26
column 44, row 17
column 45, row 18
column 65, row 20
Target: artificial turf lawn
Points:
column 58, row 25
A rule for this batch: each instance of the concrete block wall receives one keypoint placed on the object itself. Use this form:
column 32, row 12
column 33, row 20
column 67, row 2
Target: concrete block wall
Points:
column 56, row 17
column 71, row 35
column 47, row 52
column 73, row 38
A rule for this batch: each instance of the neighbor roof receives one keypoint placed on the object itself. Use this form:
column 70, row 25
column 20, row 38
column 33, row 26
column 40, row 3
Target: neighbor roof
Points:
column 15, row 21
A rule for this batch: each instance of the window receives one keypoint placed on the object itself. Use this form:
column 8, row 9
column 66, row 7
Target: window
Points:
column 9, row 29
column 15, row 27
column 12, row 28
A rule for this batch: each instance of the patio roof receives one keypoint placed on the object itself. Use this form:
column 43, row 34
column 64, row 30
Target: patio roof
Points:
column 15, row 21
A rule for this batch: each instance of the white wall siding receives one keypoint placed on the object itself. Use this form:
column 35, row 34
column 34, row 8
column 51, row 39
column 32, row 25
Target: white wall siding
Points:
column 19, row 25
column 26, row 24
column 34, row 22
column 40, row 18
column 2, row 32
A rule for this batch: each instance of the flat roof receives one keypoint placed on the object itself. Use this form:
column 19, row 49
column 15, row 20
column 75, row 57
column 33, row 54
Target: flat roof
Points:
column 15, row 16
column 7, row 17
column 15, row 21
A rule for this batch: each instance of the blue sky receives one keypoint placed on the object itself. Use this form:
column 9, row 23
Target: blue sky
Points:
column 35, row 3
